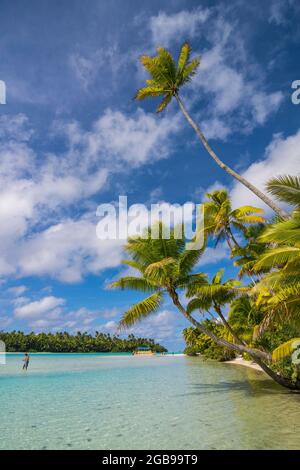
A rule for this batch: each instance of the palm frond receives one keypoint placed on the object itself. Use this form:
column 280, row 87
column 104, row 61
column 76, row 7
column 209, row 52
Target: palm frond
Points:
column 190, row 70
column 148, row 92
column 157, row 270
column 277, row 257
column 188, row 260
column 197, row 304
column 141, row 310
column 285, row 349
column 134, row 283
column 134, row 264
column 251, row 219
column 184, row 57
column 247, row 210
column 164, row 103
column 285, row 188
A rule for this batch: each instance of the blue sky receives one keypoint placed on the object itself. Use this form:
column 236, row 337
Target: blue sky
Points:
column 72, row 138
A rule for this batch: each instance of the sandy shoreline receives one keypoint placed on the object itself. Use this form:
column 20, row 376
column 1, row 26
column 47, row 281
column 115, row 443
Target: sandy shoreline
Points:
column 242, row 362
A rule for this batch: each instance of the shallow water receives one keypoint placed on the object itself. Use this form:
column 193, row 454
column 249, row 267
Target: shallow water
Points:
column 120, row 402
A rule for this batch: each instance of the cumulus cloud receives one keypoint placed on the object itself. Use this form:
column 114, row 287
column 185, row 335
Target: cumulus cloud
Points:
column 67, row 251
column 37, row 192
column 281, row 10
column 232, row 95
column 105, row 61
column 51, row 313
column 17, row 291
column 214, row 255
column 118, row 138
column 165, row 28
column 282, row 157
column 160, row 326
column 39, row 307
column 15, row 127
column 5, row 321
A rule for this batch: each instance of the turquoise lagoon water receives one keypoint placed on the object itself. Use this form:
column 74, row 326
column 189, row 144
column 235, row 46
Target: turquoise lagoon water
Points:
column 82, row 401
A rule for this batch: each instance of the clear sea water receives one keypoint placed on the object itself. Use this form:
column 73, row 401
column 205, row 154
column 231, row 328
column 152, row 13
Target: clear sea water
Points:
column 123, row 402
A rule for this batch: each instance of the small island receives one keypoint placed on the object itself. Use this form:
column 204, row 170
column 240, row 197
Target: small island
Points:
column 64, row 342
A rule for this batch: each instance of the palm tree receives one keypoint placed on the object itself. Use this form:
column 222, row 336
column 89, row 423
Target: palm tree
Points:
column 247, row 255
column 164, row 268
column 279, row 289
column 221, row 219
column 215, row 295
column 166, row 79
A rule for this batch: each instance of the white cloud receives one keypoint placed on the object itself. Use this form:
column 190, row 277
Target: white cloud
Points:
column 238, row 99
column 109, row 327
column 281, row 10
column 5, row 321
column 282, row 157
column 236, row 102
column 161, row 326
column 119, row 138
column 265, row 104
column 50, row 313
column 17, row 291
column 37, row 191
column 215, row 128
column 106, row 62
column 214, row 255
column 68, row 251
column 165, row 28
column 47, row 305
column 15, row 127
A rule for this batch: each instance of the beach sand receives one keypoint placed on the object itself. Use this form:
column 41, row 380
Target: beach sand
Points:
column 240, row 361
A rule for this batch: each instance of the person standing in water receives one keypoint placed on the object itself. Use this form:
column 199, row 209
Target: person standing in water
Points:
column 26, row 361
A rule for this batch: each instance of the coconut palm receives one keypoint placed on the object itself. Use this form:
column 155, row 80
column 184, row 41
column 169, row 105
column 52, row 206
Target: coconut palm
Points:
column 247, row 255
column 279, row 289
column 165, row 268
column 214, row 296
column 166, row 79
column 221, row 219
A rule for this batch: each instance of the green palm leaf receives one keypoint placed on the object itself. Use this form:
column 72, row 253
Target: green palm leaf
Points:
column 285, row 188
column 135, row 283
column 164, row 103
column 285, row 349
column 148, row 92
column 141, row 310
column 277, row 257
column 184, row 57
column 197, row 304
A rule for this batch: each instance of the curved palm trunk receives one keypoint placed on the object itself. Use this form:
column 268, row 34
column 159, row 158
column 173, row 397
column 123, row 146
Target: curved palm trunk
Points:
column 233, row 238
column 225, row 167
column 258, row 356
column 226, row 324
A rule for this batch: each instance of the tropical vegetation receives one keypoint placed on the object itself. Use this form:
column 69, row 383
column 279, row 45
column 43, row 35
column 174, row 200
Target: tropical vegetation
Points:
column 256, row 314
column 167, row 77
column 17, row 341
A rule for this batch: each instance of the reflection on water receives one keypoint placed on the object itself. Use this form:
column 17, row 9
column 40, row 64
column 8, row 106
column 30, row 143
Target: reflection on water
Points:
column 97, row 402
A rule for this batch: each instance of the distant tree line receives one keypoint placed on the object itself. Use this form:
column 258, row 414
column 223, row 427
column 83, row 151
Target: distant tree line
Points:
column 17, row 341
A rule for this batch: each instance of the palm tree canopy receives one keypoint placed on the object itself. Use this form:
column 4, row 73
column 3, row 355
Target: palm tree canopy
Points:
column 166, row 76
column 286, row 188
column 220, row 218
column 162, row 265
column 285, row 349
column 216, row 293
column 279, row 290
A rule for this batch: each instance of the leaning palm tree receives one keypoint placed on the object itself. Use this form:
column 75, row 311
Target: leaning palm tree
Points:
column 214, row 296
column 166, row 79
column 279, row 289
column 221, row 220
column 165, row 267
column 247, row 255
